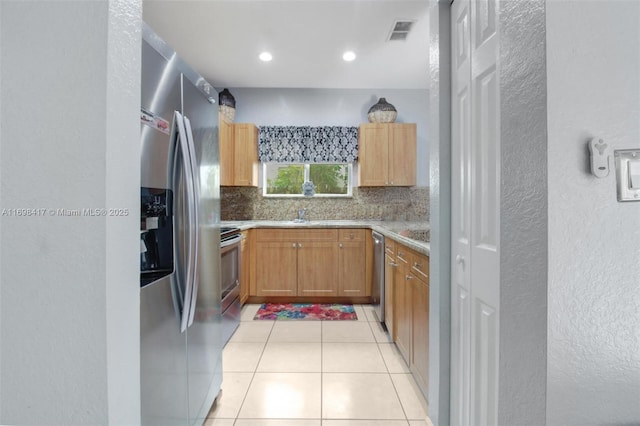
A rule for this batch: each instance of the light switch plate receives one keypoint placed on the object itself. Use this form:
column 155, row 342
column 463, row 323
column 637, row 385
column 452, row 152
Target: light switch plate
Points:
column 622, row 158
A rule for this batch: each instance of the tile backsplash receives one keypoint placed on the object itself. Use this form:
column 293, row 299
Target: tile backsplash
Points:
column 391, row 203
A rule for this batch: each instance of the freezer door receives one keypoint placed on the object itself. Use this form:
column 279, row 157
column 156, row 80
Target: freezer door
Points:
column 204, row 336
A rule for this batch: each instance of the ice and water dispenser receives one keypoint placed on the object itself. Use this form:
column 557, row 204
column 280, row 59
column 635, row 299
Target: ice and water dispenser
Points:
column 156, row 234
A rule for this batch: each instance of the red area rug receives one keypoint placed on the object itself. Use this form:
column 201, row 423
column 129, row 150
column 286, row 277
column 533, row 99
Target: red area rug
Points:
column 305, row 311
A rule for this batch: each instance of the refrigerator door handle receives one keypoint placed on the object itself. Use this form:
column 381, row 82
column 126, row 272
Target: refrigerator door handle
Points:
column 185, row 155
column 195, row 179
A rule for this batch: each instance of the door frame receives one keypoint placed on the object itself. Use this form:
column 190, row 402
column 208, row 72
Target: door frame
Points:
column 523, row 372
column 439, row 211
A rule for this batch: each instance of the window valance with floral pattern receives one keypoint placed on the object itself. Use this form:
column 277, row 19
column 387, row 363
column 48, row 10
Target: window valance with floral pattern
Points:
column 306, row 144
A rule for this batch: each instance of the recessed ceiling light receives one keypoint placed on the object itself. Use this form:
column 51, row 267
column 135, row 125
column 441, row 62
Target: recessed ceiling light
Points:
column 265, row 56
column 349, row 56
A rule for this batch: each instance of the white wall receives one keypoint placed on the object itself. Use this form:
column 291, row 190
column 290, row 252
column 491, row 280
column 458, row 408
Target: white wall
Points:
column 334, row 107
column 593, row 51
column 69, row 96
column 523, row 214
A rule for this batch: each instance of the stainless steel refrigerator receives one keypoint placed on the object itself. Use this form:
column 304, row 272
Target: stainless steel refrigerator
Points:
column 180, row 317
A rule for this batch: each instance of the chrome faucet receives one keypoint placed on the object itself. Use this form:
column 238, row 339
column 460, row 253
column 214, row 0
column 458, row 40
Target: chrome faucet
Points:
column 301, row 213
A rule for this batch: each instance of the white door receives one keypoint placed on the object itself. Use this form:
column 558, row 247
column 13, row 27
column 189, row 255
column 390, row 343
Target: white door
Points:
column 475, row 290
column 460, row 210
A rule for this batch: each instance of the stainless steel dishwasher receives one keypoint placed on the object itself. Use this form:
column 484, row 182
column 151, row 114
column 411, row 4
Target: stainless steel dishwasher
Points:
column 377, row 288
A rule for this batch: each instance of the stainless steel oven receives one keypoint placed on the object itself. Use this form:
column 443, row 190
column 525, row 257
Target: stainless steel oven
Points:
column 230, row 239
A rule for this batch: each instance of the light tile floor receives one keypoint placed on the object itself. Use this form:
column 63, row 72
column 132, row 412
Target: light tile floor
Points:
column 315, row 373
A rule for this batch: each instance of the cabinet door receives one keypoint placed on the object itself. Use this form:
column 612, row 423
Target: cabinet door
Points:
column 402, row 154
column 420, row 330
column 225, row 136
column 276, row 271
column 373, row 154
column 317, row 269
column 245, row 165
column 389, row 272
column 351, row 269
column 402, row 309
column 245, row 266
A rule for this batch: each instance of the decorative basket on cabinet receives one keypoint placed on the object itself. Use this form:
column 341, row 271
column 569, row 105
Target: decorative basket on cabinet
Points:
column 227, row 104
column 382, row 112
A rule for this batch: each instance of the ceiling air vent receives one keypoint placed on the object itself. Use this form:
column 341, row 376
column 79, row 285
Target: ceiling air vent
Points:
column 400, row 30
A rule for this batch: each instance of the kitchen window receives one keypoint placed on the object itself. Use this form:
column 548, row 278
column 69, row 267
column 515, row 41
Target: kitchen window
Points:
column 287, row 179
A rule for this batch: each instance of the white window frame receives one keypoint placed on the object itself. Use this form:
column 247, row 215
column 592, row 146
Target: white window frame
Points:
column 307, row 167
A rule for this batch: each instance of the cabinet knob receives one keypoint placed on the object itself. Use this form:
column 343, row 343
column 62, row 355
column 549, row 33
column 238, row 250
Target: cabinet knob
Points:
column 340, row 245
column 299, row 245
column 293, row 245
column 416, row 265
column 408, row 277
column 393, row 264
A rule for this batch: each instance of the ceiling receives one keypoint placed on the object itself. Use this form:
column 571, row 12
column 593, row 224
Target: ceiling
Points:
column 222, row 39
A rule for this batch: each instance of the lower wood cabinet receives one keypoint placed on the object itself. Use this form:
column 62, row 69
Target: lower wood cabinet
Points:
column 390, row 266
column 410, row 306
column 245, row 265
column 420, row 330
column 402, row 303
column 311, row 263
column 317, row 272
column 276, row 268
column 352, row 262
column 324, row 262
column 296, row 262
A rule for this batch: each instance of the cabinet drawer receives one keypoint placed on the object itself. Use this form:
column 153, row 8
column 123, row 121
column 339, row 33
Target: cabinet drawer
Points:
column 277, row 234
column 390, row 247
column 403, row 254
column 351, row 234
column 420, row 266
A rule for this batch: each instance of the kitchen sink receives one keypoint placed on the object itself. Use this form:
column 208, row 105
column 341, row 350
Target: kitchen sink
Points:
column 301, row 222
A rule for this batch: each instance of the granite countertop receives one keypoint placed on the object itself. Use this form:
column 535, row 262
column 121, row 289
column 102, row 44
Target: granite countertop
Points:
column 414, row 235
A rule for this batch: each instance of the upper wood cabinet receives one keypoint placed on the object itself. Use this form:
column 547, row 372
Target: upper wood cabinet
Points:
column 238, row 153
column 245, row 164
column 387, row 154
